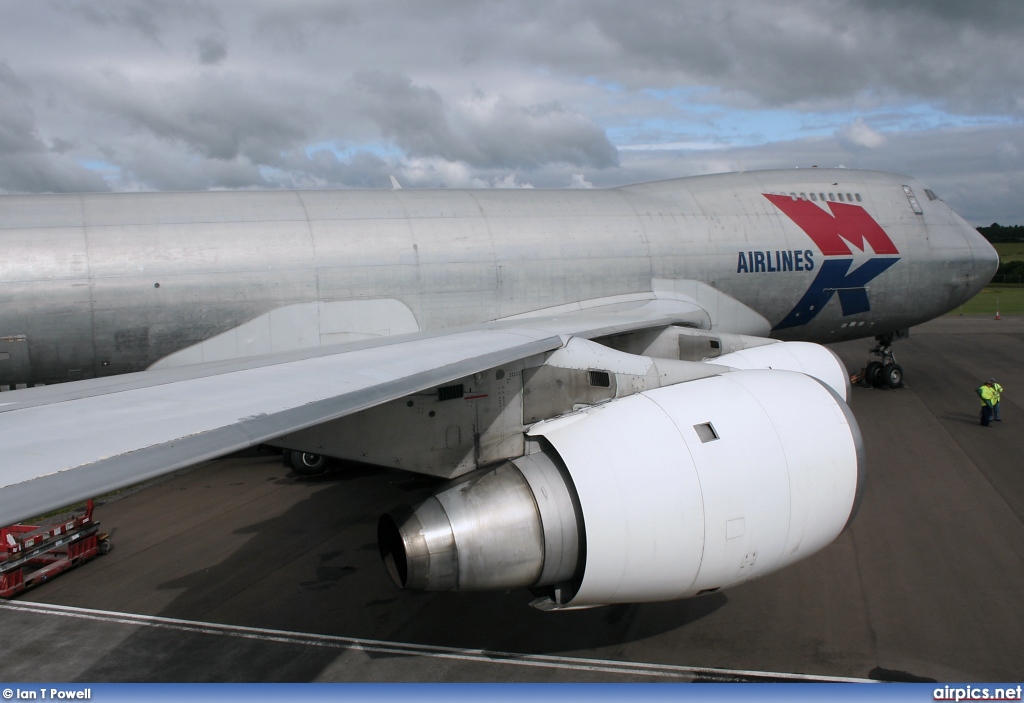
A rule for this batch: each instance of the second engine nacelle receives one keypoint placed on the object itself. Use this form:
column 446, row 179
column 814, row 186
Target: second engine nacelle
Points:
column 812, row 359
column 662, row 495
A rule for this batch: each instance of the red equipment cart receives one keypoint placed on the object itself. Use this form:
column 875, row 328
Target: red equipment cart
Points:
column 32, row 554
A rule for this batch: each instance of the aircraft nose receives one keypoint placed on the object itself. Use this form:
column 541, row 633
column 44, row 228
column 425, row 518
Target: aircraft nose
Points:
column 984, row 257
column 986, row 261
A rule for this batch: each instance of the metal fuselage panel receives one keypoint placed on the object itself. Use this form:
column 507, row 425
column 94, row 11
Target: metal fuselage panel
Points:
column 102, row 284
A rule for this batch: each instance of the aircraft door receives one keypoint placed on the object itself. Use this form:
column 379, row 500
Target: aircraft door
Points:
column 15, row 364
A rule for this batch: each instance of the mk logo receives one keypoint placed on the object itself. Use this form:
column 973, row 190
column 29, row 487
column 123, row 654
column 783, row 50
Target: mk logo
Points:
column 848, row 224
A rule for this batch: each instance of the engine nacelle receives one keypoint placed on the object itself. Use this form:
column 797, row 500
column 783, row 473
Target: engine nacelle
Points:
column 812, row 359
column 662, row 495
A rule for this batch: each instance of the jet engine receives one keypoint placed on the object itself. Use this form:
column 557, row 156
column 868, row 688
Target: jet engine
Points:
column 669, row 493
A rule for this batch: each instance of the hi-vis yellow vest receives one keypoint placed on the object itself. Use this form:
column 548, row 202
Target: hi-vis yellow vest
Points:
column 987, row 395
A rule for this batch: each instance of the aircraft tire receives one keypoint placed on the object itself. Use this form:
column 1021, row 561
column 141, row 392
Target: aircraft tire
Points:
column 308, row 464
column 873, row 374
column 893, row 375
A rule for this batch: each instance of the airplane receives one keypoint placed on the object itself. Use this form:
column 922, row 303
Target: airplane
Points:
column 626, row 387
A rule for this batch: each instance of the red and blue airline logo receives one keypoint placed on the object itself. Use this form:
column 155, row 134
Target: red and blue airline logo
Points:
column 847, row 225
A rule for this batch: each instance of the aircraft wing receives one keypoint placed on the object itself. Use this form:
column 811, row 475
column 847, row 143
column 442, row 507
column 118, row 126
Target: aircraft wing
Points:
column 68, row 442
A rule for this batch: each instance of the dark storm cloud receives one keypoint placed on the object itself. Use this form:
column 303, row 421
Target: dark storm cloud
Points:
column 150, row 18
column 17, row 123
column 211, row 50
column 413, row 116
column 293, row 25
column 991, row 15
column 813, row 51
column 481, row 130
column 27, row 163
column 216, row 116
column 178, row 94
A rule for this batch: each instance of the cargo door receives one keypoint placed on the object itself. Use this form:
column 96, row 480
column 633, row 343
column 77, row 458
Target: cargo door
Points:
column 15, row 366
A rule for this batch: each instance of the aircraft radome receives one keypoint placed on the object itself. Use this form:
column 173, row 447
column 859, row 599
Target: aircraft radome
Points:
column 625, row 386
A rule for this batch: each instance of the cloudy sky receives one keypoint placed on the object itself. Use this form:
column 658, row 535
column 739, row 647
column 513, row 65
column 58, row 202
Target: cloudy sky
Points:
column 188, row 94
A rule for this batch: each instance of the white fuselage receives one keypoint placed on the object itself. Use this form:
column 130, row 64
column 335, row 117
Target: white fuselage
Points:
column 99, row 284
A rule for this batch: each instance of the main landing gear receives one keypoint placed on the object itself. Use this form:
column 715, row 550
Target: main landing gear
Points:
column 885, row 373
column 305, row 463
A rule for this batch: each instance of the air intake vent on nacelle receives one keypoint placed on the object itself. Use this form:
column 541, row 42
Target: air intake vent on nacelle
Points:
column 706, row 432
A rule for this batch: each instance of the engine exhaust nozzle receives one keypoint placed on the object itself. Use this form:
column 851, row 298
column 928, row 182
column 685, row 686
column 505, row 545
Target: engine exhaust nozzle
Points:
column 486, row 531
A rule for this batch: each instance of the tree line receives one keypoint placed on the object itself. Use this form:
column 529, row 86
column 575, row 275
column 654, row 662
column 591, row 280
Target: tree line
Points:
column 996, row 233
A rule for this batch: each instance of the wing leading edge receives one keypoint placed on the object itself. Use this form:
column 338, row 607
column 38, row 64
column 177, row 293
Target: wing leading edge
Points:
column 69, row 442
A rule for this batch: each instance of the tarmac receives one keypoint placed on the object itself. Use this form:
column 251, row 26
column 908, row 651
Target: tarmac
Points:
column 239, row 570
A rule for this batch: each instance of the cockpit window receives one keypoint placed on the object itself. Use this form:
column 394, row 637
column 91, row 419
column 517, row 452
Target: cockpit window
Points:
column 913, row 200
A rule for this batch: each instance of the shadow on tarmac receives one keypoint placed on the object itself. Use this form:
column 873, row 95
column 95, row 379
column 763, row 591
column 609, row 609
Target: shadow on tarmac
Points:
column 963, row 418
column 316, row 568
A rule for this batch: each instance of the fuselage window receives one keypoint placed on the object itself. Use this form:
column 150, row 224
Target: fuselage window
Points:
column 814, row 197
column 840, row 197
column 849, row 198
column 857, row 195
column 832, row 197
column 822, row 195
column 793, row 196
column 803, row 196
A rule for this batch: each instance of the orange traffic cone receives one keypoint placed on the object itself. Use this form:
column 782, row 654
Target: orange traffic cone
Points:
column 997, row 315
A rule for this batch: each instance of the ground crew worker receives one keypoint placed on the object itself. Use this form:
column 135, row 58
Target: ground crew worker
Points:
column 997, row 390
column 987, row 394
